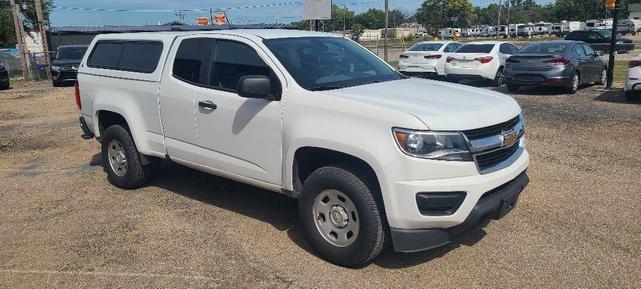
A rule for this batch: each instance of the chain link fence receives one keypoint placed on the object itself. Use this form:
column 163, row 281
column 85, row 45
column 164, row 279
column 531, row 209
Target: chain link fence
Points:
column 36, row 69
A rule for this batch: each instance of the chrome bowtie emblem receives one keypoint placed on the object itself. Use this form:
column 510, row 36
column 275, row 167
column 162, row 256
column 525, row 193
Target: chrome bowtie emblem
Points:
column 509, row 137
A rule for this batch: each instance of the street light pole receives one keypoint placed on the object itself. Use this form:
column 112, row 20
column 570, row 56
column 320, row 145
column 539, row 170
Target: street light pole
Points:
column 498, row 19
column 385, row 31
column 613, row 41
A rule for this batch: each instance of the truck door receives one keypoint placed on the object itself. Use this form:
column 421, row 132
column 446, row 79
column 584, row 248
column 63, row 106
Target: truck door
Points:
column 240, row 135
column 186, row 70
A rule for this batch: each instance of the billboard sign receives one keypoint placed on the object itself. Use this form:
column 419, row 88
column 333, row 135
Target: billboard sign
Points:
column 317, row 9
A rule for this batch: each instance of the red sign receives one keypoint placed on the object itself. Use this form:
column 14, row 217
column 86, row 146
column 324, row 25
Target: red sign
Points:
column 220, row 19
column 202, row 21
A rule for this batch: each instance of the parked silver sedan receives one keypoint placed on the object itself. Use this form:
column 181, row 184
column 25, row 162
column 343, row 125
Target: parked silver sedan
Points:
column 563, row 63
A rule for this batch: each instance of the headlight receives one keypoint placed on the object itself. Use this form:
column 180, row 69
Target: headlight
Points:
column 449, row 146
column 56, row 68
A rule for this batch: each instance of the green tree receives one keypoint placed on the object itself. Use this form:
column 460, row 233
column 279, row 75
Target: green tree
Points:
column 357, row 30
column 30, row 20
column 7, row 32
column 579, row 10
column 436, row 14
column 371, row 19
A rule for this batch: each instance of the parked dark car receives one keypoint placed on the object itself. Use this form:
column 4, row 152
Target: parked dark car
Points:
column 4, row 77
column 599, row 40
column 64, row 67
column 564, row 63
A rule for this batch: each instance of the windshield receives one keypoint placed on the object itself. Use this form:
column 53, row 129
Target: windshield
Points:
column 605, row 33
column 425, row 47
column 544, row 48
column 475, row 48
column 71, row 52
column 323, row 63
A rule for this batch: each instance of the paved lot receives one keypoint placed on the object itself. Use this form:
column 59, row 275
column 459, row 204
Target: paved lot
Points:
column 63, row 226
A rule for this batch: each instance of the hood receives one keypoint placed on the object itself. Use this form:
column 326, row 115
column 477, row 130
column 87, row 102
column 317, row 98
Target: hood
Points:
column 63, row 62
column 624, row 40
column 440, row 105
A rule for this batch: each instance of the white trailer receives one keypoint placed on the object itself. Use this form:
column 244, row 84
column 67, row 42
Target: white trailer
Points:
column 525, row 30
column 564, row 27
column 593, row 24
column 513, row 28
column 541, row 28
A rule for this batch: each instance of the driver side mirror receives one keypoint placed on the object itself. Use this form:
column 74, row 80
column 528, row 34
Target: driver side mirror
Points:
column 599, row 53
column 255, row 86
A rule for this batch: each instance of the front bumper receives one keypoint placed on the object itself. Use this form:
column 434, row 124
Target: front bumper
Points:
column 493, row 204
column 64, row 75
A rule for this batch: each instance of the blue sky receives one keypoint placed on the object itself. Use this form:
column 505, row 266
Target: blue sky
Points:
column 161, row 11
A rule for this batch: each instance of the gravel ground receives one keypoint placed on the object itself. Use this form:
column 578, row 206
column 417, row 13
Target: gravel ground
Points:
column 64, row 226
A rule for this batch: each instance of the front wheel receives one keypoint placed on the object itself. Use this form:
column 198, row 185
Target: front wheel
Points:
column 121, row 160
column 341, row 217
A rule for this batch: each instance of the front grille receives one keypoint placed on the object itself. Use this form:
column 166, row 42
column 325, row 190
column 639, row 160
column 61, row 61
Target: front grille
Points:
column 68, row 75
column 490, row 159
column 496, row 129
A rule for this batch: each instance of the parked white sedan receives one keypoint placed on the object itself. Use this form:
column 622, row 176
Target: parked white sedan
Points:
column 484, row 60
column 633, row 79
column 426, row 58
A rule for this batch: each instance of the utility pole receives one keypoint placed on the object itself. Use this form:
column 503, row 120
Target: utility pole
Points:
column 498, row 19
column 344, row 18
column 507, row 22
column 43, row 36
column 613, row 41
column 385, row 30
column 17, row 23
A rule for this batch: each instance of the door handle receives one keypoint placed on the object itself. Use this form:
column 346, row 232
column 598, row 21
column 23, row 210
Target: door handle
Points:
column 208, row 105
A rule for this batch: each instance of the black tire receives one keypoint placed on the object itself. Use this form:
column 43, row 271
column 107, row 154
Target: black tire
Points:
column 371, row 238
column 575, row 83
column 632, row 95
column 603, row 79
column 136, row 174
column 513, row 88
column 498, row 78
column 4, row 86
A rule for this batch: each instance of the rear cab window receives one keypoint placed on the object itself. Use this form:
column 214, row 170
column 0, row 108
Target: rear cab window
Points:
column 475, row 48
column 132, row 56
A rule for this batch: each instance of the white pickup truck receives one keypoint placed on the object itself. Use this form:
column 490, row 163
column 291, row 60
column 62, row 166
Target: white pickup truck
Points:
column 372, row 156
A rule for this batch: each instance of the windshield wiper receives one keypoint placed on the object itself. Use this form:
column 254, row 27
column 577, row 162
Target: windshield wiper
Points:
column 328, row 87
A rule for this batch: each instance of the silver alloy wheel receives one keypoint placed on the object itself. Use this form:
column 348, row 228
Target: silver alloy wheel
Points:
column 117, row 158
column 336, row 218
column 499, row 77
column 575, row 82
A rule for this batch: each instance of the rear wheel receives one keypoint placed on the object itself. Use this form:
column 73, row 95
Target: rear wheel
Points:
column 513, row 87
column 575, row 83
column 4, row 85
column 121, row 160
column 498, row 78
column 341, row 217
